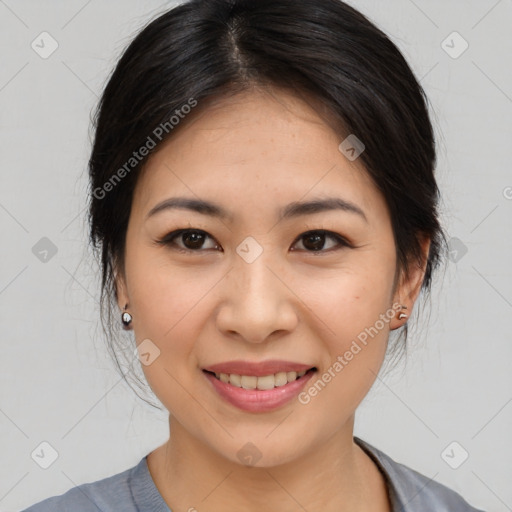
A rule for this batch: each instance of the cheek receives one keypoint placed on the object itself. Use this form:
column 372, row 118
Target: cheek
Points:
column 349, row 300
column 353, row 358
column 167, row 301
column 169, row 310
column 163, row 294
column 352, row 311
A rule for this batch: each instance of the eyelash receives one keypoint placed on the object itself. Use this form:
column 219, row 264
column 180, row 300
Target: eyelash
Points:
column 168, row 240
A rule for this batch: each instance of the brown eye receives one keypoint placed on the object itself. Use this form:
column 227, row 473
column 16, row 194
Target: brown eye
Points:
column 192, row 240
column 314, row 241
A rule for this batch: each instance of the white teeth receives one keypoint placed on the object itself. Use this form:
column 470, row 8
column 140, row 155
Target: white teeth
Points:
column 266, row 382
column 236, row 380
column 249, row 381
column 291, row 376
column 263, row 382
column 280, row 379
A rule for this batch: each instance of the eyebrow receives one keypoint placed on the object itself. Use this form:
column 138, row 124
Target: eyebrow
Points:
column 292, row 210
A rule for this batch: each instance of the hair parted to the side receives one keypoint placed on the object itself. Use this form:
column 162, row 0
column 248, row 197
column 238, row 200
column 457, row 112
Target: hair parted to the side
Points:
column 319, row 49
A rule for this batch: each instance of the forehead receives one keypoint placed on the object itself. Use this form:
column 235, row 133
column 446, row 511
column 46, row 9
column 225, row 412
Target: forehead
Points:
column 256, row 146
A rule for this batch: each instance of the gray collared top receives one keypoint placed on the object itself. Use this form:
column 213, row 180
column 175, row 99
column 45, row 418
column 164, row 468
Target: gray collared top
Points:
column 134, row 490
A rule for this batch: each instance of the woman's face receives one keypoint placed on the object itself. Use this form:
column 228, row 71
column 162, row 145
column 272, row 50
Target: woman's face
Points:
column 254, row 286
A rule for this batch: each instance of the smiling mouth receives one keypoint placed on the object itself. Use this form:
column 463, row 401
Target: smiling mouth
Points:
column 264, row 382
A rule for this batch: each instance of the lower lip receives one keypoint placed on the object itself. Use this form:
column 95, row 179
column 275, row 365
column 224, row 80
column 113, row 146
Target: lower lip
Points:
column 259, row 400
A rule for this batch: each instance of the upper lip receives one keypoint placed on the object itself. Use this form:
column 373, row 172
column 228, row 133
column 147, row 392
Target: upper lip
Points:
column 260, row 369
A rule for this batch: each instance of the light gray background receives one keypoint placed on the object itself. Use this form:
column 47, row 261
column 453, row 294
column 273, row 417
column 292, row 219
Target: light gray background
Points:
column 57, row 383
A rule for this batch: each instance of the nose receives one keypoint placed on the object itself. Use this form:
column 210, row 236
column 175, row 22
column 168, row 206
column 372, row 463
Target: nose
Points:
column 257, row 302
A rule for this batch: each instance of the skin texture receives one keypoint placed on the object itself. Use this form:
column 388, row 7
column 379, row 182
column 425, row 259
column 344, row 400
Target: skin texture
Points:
column 253, row 154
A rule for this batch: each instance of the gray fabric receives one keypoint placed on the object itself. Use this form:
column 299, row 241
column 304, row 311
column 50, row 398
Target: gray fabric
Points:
column 133, row 490
column 410, row 491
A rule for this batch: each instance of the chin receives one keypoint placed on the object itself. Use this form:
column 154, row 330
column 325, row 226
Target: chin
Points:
column 261, row 452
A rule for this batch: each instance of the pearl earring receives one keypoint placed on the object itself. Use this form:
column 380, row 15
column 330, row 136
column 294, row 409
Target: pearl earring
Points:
column 402, row 315
column 126, row 318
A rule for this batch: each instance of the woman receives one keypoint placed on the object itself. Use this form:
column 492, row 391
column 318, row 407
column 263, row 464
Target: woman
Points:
column 265, row 208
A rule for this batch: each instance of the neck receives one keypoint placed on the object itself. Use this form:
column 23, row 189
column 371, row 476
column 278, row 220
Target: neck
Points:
column 334, row 476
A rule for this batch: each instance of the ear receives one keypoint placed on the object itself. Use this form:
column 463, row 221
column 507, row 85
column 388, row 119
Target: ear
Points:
column 409, row 287
column 121, row 290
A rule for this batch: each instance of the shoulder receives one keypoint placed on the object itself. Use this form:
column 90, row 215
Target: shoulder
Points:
column 107, row 494
column 411, row 491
